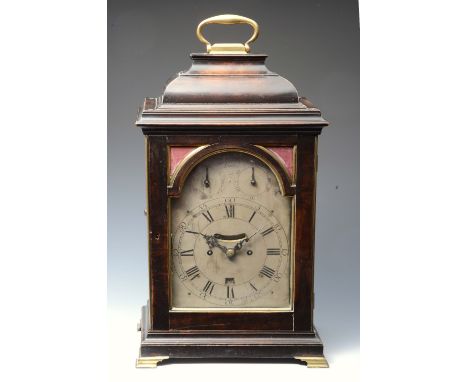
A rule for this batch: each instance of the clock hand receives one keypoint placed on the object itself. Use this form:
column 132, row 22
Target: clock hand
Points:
column 197, row 233
column 213, row 242
column 216, row 244
column 210, row 240
column 240, row 243
column 238, row 246
column 250, row 237
column 231, row 251
column 246, row 239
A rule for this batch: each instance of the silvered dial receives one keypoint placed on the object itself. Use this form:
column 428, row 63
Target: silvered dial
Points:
column 231, row 237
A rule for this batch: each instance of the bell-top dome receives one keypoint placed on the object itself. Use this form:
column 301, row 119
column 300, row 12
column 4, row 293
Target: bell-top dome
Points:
column 229, row 79
column 228, row 89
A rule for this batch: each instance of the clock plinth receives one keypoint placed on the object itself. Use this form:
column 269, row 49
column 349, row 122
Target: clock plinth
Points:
column 157, row 346
column 231, row 153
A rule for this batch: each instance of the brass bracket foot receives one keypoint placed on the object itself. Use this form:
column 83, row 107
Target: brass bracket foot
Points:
column 313, row 361
column 149, row 361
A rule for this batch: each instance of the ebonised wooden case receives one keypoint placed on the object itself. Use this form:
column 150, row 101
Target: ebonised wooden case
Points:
column 229, row 102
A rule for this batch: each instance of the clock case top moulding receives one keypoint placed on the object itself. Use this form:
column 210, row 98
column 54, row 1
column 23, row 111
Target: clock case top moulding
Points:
column 224, row 102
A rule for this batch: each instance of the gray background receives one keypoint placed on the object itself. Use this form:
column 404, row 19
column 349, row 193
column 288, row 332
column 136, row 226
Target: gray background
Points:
column 314, row 44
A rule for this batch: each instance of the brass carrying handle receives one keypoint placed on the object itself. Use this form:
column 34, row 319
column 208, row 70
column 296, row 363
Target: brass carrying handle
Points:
column 227, row 48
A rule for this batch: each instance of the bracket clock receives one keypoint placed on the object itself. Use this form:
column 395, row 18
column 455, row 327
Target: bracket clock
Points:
column 231, row 177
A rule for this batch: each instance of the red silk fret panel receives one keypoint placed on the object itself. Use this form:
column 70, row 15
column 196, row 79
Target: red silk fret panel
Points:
column 177, row 154
column 286, row 155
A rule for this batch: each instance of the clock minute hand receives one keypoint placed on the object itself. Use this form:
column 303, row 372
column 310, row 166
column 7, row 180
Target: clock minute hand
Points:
column 250, row 237
column 240, row 243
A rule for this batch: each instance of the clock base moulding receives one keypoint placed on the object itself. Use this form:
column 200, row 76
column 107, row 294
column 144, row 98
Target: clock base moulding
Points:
column 158, row 346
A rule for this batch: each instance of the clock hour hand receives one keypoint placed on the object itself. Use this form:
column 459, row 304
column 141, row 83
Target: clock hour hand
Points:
column 230, row 252
column 210, row 240
column 214, row 243
column 240, row 243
